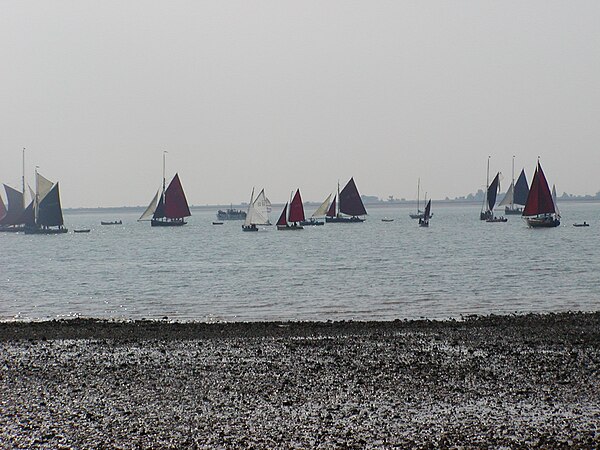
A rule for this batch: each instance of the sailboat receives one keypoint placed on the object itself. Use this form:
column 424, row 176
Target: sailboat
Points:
column 424, row 221
column 349, row 203
column 258, row 212
column 516, row 195
column 419, row 214
column 489, row 200
column 540, row 209
column 169, row 207
column 44, row 214
column 292, row 220
column 12, row 218
column 320, row 212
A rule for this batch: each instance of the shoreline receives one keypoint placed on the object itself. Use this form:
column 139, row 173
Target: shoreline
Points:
column 494, row 381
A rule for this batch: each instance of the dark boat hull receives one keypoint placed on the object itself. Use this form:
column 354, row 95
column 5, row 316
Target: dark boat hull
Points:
column 311, row 223
column 353, row 219
column 167, row 223
column 497, row 220
column 485, row 215
column 289, row 227
column 249, row 228
column 584, row 224
column 31, row 230
column 513, row 212
column 9, row 229
column 82, row 231
column 542, row 222
column 118, row 222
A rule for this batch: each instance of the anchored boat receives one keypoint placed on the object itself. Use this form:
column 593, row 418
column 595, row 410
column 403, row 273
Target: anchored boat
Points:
column 540, row 209
column 350, row 205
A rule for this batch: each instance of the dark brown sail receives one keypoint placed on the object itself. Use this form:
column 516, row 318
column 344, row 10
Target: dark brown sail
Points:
column 350, row 201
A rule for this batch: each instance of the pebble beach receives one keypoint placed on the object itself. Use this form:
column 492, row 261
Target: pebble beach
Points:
column 528, row 381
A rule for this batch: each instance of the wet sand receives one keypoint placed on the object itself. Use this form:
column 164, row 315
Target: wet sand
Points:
column 497, row 381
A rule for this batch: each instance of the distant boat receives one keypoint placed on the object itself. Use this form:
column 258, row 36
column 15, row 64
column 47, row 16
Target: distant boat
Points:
column 231, row 214
column 12, row 215
column 419, row 214
column 258, row 212
column 114, row 222
column 292, row 220
column 350, row 205
column 516, row 195
column 170, row 209
column 82, row 230
column 584, row 224
column 540, row 209
column 489, row 200
column 385, row 219
column 217, row 223
column 319, row 213
column 44, row 215
column 424, row 221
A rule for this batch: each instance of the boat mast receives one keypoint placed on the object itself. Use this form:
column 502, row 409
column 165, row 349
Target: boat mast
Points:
column 23, row 179
column 512, row 203
column 339, row 205
column 37, row 195
column 164, row 179
column 487, row 185
column 418, row 192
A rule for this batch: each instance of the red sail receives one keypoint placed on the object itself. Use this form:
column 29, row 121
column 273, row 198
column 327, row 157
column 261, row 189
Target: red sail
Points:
column 331, row 210
column 176, row 206
column 350, row 201
column 296, row 208
column 282, row 218
column 539, row 200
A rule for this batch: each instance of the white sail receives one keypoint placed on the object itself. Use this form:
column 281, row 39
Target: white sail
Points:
column 43, row 186
column 147, row 215
column 247, row 221
column 322, row 210
column 259, row 211
column 554, row 200
column 31, row 192
column 509, row 197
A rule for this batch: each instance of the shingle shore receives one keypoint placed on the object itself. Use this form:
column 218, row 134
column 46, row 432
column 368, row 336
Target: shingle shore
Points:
column 495, row 381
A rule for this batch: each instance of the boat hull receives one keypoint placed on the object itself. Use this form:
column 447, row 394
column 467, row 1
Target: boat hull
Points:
column 311, row 223
column 542, row 222
column 31, row 230
column 12, row 229
column 497, row 220
column 87, row 230
column 289, row 227
column 352, row 219
column 118, row 222
column 513, row 212
column 249, row 228
column 167, row 223
column 485, row 215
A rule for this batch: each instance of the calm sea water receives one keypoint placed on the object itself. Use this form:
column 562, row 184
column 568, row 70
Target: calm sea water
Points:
column 373, row 270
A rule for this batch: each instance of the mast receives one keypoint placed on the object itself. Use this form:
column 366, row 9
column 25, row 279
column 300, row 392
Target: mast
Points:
column 418, row 192
column 512, row 203
column 487, row 185
column 23, row 178
column 339, row 205
column 164, row 178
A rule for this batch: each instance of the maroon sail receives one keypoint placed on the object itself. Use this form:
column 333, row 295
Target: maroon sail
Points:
column 332, row 207
column 296, row 208
column 350, row 201
column 539, row 200
column 176, row 206
column 282, row 222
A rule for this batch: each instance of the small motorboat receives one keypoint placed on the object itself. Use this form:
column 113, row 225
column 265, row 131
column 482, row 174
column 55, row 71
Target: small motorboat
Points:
column 116, row 222
column 496, row 219
column 217, row 223
column 82, row 230
column 385, row 219
column 584, row 224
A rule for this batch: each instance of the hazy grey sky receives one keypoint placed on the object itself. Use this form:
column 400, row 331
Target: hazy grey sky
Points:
column 285, row 94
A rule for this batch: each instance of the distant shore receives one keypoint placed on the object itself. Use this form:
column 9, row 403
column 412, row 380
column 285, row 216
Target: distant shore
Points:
column 243, row 206
column 500, row 381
